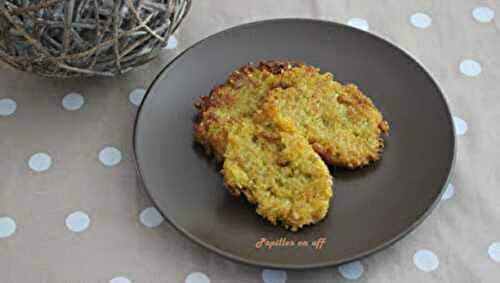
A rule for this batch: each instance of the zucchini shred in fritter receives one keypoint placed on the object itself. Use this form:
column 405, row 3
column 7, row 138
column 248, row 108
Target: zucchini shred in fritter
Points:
column 268, row 123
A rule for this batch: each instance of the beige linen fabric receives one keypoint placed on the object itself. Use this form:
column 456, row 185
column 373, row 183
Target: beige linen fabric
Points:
column 116, row 244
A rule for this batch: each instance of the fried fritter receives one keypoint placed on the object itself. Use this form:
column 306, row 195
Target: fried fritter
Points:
column 341, row 123
column 241, row 96
column 278, row 171
column 272, row 124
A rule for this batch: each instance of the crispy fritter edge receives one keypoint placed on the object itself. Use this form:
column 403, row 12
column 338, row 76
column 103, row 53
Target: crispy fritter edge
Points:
column 205, row 103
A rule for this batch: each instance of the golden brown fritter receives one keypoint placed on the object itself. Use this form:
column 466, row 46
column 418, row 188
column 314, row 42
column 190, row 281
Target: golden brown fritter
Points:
column 339, row 121
column 241, row 96
column 278, row 171
column 271, row 123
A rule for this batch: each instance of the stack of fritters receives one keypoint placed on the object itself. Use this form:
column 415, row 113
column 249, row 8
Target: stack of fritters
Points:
column 273, row 123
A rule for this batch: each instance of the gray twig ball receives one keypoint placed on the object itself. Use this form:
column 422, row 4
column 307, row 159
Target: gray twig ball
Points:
column 69, row 38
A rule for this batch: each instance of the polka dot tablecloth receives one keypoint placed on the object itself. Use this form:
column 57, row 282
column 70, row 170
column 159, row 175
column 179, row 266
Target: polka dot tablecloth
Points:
column 72, row 209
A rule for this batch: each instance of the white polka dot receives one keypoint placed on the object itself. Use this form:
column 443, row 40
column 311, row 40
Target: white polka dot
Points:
column 120, row 279
column 352, row 270
column 483, row 14
column 460, row 126
column 7, row 106
column 73, row 101
column 421, row 20
column 426, row 260
column 274, row 276
column 77, row 221
column 40, row 162
column 197, row 277
column 358, row 23
column 494, row 251
column 110, row 156
column 136, row 96
column 150, row 217
column 449, row 192
column 470, row 68
column 171, row 43
column 7, row 227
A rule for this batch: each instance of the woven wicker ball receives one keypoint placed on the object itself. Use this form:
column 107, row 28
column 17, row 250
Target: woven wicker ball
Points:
column 70, row 38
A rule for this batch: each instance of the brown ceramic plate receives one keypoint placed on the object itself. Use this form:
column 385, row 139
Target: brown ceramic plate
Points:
column 372, row 208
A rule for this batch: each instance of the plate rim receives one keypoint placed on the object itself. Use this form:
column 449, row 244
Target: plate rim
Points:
column 325, row 264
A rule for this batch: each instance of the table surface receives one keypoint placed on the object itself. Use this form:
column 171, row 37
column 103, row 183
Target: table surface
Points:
column 72, row 208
